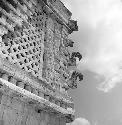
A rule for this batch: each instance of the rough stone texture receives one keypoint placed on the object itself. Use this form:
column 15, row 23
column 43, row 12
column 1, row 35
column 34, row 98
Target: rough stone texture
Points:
column 35, row 61
column 24, row 114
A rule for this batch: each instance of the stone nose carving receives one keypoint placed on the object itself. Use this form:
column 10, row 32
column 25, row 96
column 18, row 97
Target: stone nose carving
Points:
column 73, row 25
column 69, row 43
column 76, row 75
column 72, row 59
column 73, row 79
column 76, row 54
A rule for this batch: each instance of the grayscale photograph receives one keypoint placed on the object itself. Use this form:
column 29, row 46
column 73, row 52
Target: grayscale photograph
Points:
column 60, row 62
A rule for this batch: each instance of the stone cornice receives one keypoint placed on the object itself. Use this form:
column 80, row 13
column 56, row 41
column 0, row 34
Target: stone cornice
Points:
column 39, row 102
column 59, row 8
column 56, row 13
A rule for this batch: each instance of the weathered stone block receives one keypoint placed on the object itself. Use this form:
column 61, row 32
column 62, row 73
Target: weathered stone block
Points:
column 24, row 115
column 62, row 121
column 19, row 119
column 32, row 120
column 28, row 88
column 2, row 107
column 57, row 121
column 17, row 105
column 47, row 97
column 9, row 116
column 35, row 91
column 5, row 76
column 57, row 103
column 20, row 84
column 43, row 123
column 12, row 80
column 45, row 117
column 52, row 119
column 41, row 94
column 6, row 100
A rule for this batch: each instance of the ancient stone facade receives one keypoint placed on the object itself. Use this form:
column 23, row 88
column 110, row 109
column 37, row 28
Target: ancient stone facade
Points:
column 34, row 63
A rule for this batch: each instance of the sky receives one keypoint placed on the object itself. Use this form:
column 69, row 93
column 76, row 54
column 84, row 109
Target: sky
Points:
column 98, row 97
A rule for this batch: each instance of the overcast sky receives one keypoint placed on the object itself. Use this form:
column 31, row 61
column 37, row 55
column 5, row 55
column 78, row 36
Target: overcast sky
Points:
column 99, row 39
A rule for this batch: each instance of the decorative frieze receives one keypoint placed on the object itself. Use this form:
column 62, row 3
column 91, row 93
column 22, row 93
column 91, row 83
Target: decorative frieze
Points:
column 28, row 96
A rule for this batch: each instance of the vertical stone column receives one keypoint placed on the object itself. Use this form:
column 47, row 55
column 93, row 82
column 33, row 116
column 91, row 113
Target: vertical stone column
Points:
column 57, row 44
column 48, row 67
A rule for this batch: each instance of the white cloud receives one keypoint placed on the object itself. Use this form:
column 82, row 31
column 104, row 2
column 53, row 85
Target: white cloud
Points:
column 100, row 38
column 80, row 121
column 104, row 49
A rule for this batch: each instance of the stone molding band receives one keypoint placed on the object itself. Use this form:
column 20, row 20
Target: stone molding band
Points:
column 10, row 88
column 28, row 95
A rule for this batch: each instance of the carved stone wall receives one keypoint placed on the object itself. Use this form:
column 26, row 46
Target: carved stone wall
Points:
column 25, row 48
column 34, row 60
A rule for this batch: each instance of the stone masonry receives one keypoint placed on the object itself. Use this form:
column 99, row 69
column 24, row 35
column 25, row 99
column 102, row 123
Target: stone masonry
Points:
column 35, row 64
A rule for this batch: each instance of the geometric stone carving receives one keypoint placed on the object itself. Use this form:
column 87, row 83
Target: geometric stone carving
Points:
column 27, row 49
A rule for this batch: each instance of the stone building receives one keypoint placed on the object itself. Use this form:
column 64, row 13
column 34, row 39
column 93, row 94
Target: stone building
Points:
column 34, row 63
